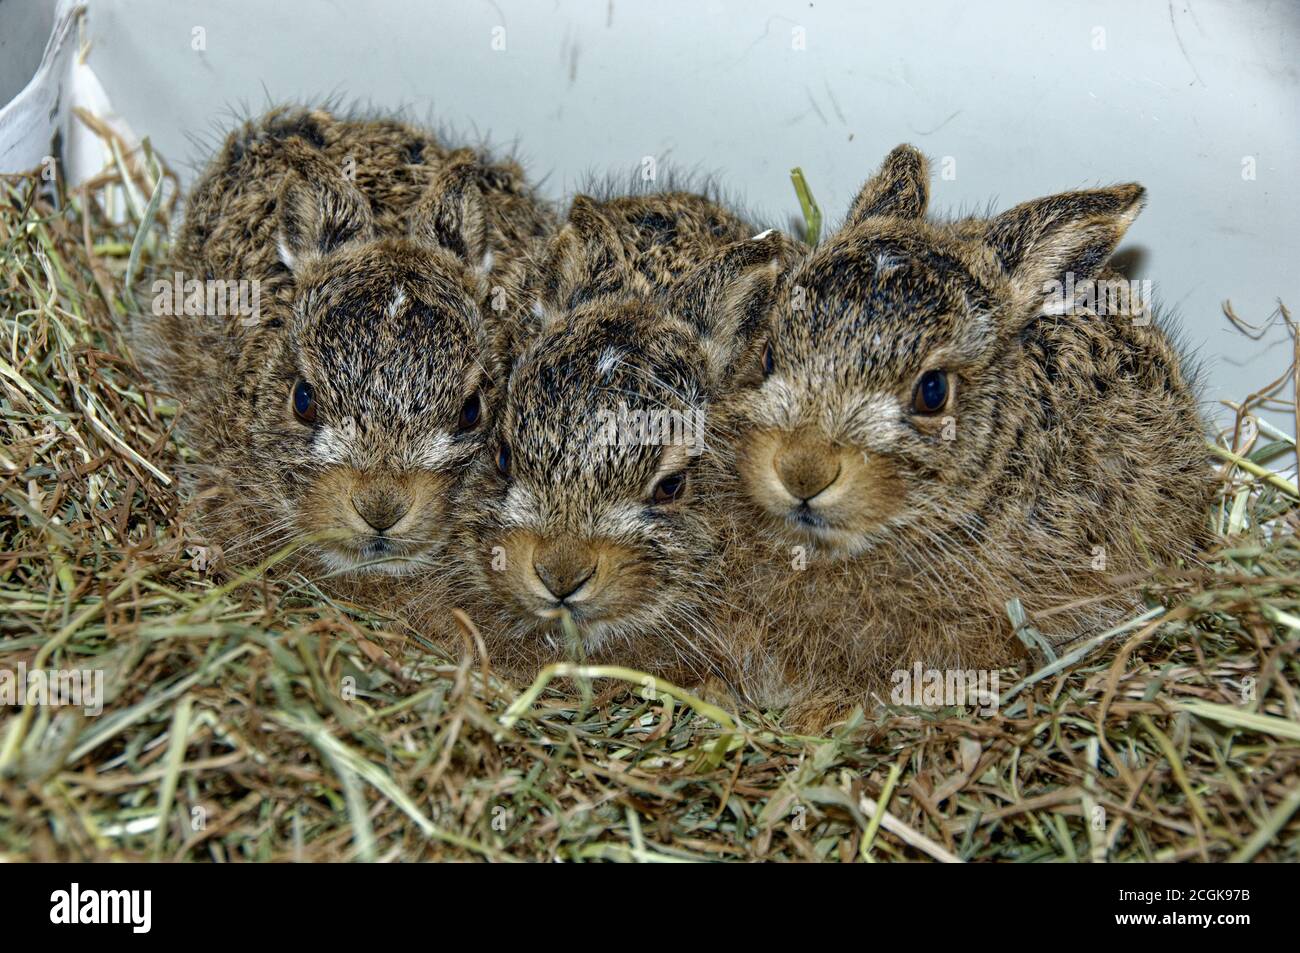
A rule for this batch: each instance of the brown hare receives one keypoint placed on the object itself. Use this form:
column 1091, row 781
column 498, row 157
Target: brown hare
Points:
column 345, row 412
column 919, row 440
column 588, row 504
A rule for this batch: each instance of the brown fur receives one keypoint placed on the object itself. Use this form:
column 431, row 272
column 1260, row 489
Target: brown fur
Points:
column 1065, row 438
column 625, row 293
column 369, row 239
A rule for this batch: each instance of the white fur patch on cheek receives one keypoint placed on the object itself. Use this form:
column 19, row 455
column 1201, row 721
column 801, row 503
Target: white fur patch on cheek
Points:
column 623, row 519
column 519, row 508
column 775, row 403
column 871, row 421
column 333, row 445
column 434, row 453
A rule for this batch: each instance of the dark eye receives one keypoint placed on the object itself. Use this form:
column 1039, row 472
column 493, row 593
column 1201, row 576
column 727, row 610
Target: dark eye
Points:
column 304, row 402
column 503, row 460
column 769, row 363
column 669, row 488
column 931, row 394
column 470, row 413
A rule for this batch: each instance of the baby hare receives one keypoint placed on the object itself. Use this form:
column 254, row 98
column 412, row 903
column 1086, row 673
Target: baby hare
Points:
column 920, row 439
column 344, row 413
column 587, row 506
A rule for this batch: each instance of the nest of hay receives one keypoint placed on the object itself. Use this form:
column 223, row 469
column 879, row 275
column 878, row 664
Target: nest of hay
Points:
column 252, row 720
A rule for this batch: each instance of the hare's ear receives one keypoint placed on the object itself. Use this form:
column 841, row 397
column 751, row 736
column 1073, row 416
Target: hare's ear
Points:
column 727, row 297
column 1042, row 242
column 900, row 189
column 584, row 258
column 318, row 216
column 452, row 213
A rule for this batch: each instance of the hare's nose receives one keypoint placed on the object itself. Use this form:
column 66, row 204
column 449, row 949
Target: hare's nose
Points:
column 563, row 567
column 806, row 473
column 380, row 509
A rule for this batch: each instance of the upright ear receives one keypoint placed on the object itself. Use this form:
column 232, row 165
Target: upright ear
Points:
column 727, row 297
column 1074, row 233
column 318, row 214
column 900, row 189
column 452, row 213
column 584, row 258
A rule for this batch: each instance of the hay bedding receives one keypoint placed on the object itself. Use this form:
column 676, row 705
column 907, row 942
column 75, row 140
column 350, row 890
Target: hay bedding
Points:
column 250, row 720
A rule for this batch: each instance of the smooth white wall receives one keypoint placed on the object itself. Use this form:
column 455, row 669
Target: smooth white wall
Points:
column 1017, row 93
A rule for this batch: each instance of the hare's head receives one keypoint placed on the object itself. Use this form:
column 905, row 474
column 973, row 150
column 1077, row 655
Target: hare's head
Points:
column 890, row 390
column 374, row 398
column 588, row 502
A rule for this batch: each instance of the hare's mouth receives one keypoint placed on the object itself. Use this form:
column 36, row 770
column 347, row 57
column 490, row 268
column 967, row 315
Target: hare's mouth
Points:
column 375, row 554
column 575, row 629
column 805, row 518
column 587, row 634
column 806, row 524
column 583, row 617
column 805, row 521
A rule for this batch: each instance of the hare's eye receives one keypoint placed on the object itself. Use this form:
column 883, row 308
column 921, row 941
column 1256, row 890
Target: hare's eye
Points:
column 503, row 460
column 669, row 489
column 931, row 393
column 303, row 399
column 470, row 413
column 769, row 363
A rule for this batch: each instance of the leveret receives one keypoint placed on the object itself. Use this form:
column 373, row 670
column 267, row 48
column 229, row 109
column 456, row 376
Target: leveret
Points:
column 919, row 440
column 341, row 416
column 592, row 502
